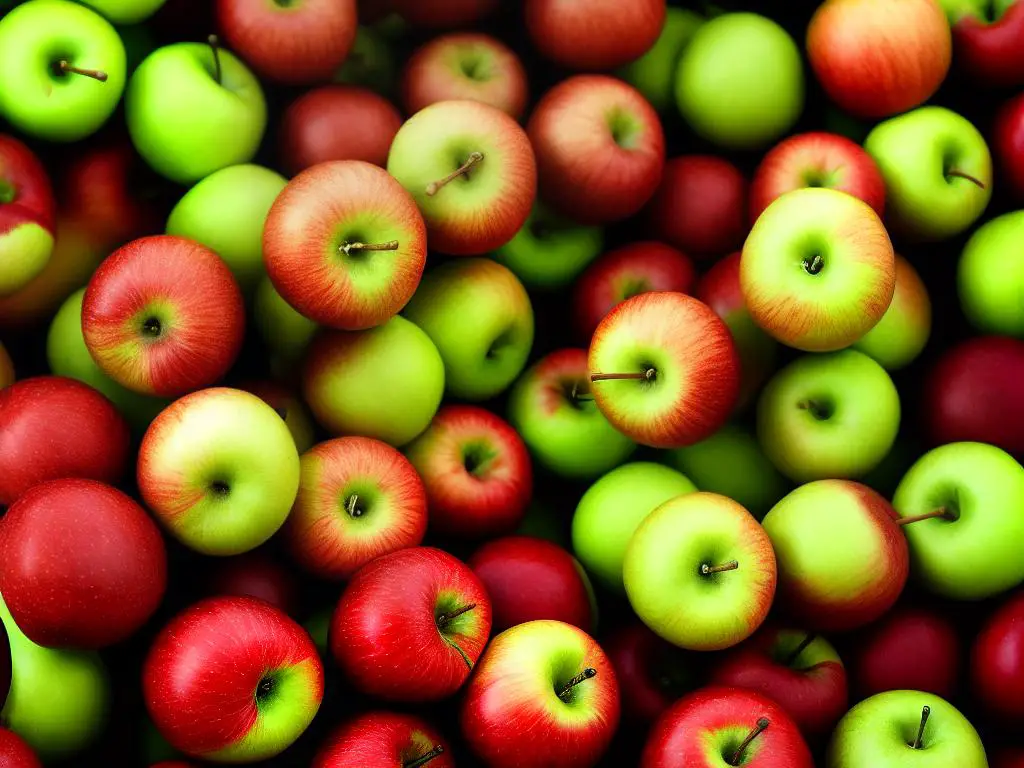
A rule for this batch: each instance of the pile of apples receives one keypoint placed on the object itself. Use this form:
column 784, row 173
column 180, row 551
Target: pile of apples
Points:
column 541, row 384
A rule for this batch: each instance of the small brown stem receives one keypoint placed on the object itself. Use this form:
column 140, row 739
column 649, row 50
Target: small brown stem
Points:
column 586, row 674
column 758, row 729
column 973, row 179
column 706, row 569
column 446, row 618
column 940, row 512
column 424, row 759
column 795, row 653
column 347, row 248
column 96, row 74
column 350, row 506
column 214, row 43
column 647, row 375
column 473, row 159
column 925, row 711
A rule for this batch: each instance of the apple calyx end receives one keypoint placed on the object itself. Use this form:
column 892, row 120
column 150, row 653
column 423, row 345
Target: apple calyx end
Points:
column 650, row 374
column 214, row 42
column 707, row 570
column 737, row 756
column 64, row 67
column 423, row 759
column 475, row 158
column 925, row 712
column 961, row 175
column 348, row 248
column 586, row 674
column 941, row 512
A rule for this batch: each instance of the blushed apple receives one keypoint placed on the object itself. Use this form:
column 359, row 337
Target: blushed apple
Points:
column 901, row 335
column 385, row 740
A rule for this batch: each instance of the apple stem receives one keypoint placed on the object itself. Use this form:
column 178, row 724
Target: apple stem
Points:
column 647, row 375
column 706, row 569
column 586, row 674
column 795, row 653
column 961, row 175
column 473, row 159
column 758, row 729
column 940, row 512
column 96, row 74
column 424, row 759
column 347, row 248
column 214, row 42
column 350, row 506
column 446, row 618
column 925, row 711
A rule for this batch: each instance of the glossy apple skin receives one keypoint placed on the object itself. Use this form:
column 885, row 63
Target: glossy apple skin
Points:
column 27, row 215
column 15, row 753
column 383, row 740
column 291, row 43
column 876, row 58
column 624, row 272
column 1009, row 143
column 257, row 575
column 695, row 732
column 974, row 394
column 600, row 148
column 700, row 207
column 53, row 427
column 997, row 661
column 385, row 635
column 903, row 332
column 990, row 51
column 289, row 406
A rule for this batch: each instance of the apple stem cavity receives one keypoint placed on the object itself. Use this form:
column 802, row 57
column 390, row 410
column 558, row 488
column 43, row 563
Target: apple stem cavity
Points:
column 795, row 653
column 737, row 756
column 576, row 397
column 65, row 68
column 347, row 248
column 925, row 711
column 961, row 175
column 351, row 506
column 647, row 375
column 474, row 159
column 707, row 570
column 426, row 758
column 444, row 619
column 214, row 43
column 586, row 674
column 940, row 512
column 814, row 265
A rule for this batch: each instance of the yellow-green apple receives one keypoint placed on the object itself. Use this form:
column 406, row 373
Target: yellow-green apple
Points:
column 664, row 369
column 842, row 559
column 289, row 406
column 990, row 298
column 126, row 12
column 7, row 374
column 612, row 508
column 52, row 427
column 471, row 170
column 358, row 499
column 441, row 13
column 600, row 148
column 996, row 666
column 71, row 69
column 343, row 373
column 818, row 269
column 902, row 333
column 385, row 740
column 27, row 215
column 1008, row 141
column 723, row 582
column 345, row 244
column 480, row 317
column 219, row 470
column 464, row 65
column 290, row 42
column 654, row 73
column 828, row 416
column 615, row 34
column 719, row 727
column 937, row 170
column 544, row 693
column 255, row 574
column 15, row 751
column 985, row 40
column 551, row 408
column 286, row 332
column 410, row 626
column 964, row 501
column 232, row 680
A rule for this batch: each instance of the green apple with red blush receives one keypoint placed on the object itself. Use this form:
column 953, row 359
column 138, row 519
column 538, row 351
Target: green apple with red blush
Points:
column 27, row 216
column 902, row 333
column 289, row 406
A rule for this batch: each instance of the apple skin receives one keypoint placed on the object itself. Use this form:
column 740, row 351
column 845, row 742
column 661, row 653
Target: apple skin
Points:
column 126, row 12
column 901, row 335
column 383, row 740
column 441, row 14
column 512, row 714
column 990, row 297
column 219, row 674
column 986, row 41
column 256, row 575
column 997, row 664
column 600, row 148
column 879, row 59
column 615, row 34
column 320, row 212
column 689, row 608
column 27, row 215
column 654, row 73
column 390, row 512
column 289, row 406
column 53, row 427
column 704, row 729
column 309, row 135
column 389, row 635
column 15, row 752
column 1008, row 142
column 285, row 332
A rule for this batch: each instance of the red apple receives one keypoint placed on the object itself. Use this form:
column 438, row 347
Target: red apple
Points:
column 52, row 427
column 163, row 316
column 443, row 13
column 623, row 273
column 15, row 753
column 700, row 206
column 358, row 499
column 411, row 625
column 27, row 216
column 1008, row 143
column 345, row 244
column 385, row 740
column 816, row 160
column 256, row 574
column 989, row 49
column 997, row 661
column 310, row 127
column 291, row 42
column 600, row 148
column 477, row 472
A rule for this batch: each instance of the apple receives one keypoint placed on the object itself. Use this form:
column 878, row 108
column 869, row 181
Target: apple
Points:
column 937, row 170
column 126, row 12
column 740, row 81
column 828, row 416
column 596, row 35
column 550, row 407
column 309, row 127
column 443, row 13
column 286, row 333
column 256, row 575
column 718, row 727
column 15, row 753
column 232, row 679
column 345, row 245
column 53, row 427
column 984, row 38
column 1008, row 141
column 385, row 740
column 723, row 582
column 480, row 317
column 344, row 371
column 471, row 170
column 7, row 375
column 371, row 60
column 965, row 498
column 818, row 269
column 226, row 212
column 71, row 66
column 163, row 316
column 996, row 662
column 700, row 207
column 624, row 272
column 358, row 499
column 664, row 368
column 990, row 298
column 410, row 626
column 27, row 215
column 901, row 335
column 188, row 468
column 600, row 148
column 213, row 115
column 654, row 73
column 289, row 406
column 544, row 693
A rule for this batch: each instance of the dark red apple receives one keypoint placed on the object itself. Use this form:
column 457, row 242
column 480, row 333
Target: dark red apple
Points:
column 15, row 753
column 1009, row 145
column 256, row 574
column 997, row 661
column 987, row 41
column 385, row 740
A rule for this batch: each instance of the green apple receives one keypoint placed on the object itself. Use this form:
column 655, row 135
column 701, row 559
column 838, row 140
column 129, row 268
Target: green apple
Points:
column 971, row 551
column 193, row 109
column 828, row 416
column 900, row 336
column 480, row 318
column 740, row 81
column 937, row 170
column 731, row 463
column 611, row 510
column 64, row 66
column 370, row 63
column 59, row 699
column 990, row 277
column 125, row 11
column 905, row 729
column 654, row 73
column 285, row 331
